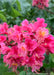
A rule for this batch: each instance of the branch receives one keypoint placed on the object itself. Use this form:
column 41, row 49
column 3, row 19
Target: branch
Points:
column 49, row 11
column 44, row 7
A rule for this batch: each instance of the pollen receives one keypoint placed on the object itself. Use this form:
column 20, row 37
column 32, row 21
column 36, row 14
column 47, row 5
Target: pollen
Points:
column 17, row 36
column 14, row 64
column 45, row 43
column 23, row 48
column 37, row 55
column 42, row 33
column 9, row 32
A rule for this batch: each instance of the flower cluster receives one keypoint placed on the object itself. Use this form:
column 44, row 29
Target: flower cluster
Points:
column 25, row 45
column 40, row 3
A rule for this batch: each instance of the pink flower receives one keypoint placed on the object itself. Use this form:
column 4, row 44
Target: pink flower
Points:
column 22, row 50
column 3, row 28
column 2, row 38
column 40, row 50
column 2, row 45
column 14, row 51
column 11, row 58
column 26, row 27
column 25, row 45
column 34, row 2
column 31, row 44
column 40, row 3
column 10, row 31
column 10, row 61
column 17, row 28
column 25, row 22
column 35, row 62
column 49, row 43
column 6, row 50
column 41, row 34
column 5, row 25
column 39, row 23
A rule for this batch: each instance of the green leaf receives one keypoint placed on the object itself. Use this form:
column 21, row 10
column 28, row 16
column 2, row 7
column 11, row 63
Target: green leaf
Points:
column 51, row 73
column 5, row 70
column 8, row 73
column 42, row 74
column 22, row 73
column 52, row 57
column 53, row 35
column 20, row 69
column 18, row 5
column 30, row 73
column 25, row 6
column 2, row 11
column 3, row 18
column 15, row 13
column 51, row 17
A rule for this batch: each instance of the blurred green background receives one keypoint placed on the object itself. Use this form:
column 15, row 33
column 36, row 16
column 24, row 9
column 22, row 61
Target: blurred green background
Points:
column 14, row 12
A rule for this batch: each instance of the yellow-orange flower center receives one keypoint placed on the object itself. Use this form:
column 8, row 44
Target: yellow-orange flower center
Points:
column 23, row 48
column 42, row 33
column 14, row 64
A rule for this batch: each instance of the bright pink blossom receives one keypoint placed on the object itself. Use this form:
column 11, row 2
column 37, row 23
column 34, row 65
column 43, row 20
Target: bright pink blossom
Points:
column 25, row 45
column 2, row 38
column 41, row 34
column 31, row 44
column 40, row 3
column 39, row 23
column 25, row 22
column 3, row 28
column 49, row 44
column 22, row 50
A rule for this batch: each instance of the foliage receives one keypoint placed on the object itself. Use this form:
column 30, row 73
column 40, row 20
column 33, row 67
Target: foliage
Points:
column 18, row 10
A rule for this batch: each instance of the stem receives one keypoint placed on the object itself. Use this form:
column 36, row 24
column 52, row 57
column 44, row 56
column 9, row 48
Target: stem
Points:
column 16, row 72
column 48, row 68
column 49, row 11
